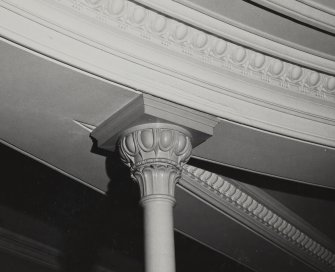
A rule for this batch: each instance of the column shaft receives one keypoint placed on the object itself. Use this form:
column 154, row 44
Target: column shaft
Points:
column 158, row 234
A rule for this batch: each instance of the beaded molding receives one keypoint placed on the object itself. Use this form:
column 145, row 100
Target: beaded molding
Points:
column 231, row 192
column 207, row 48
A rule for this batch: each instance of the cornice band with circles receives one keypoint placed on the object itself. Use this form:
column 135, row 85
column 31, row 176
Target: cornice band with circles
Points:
column 205, row 47
column 225, row 188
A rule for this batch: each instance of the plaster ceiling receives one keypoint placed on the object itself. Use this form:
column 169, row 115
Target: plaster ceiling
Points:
column 267, row 153
column 41, row 102
column 325, row 4
column 255, row 18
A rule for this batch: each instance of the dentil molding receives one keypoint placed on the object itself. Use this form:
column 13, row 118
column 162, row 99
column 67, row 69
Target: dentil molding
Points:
column 263, row 214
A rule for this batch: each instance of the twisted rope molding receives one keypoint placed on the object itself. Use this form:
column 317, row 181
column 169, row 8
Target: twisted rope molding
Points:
column 215, row 51
column 229, row 190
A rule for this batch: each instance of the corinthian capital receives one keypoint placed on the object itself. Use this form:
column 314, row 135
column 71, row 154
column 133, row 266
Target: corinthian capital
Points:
column 155, row 153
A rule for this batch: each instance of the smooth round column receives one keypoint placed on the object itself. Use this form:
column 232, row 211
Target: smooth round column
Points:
column 158, row 233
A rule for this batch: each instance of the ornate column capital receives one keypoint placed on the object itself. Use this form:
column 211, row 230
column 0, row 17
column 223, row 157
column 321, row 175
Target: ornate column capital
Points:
column 155, row 153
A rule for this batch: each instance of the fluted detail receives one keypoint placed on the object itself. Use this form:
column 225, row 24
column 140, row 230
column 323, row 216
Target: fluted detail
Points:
column 155, row 156
column 225, row 188
column 157, row 179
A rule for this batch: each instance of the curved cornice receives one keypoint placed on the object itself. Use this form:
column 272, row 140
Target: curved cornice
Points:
column 196, row 16
column 307, row 12
column 148, row 51
column 263, row 214
column 208, row 48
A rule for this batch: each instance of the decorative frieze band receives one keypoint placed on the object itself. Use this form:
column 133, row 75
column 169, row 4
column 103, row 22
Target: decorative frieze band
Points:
column 204, row 47
column 231, row 192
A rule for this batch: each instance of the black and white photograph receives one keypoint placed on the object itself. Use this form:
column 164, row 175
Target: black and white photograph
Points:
column 167, row 135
